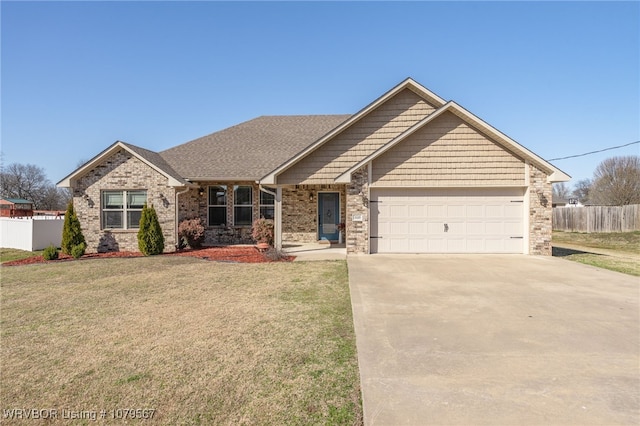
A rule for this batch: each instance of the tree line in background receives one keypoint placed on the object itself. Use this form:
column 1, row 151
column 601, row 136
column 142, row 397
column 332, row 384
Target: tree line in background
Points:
column 29, row 182
column 616, row 182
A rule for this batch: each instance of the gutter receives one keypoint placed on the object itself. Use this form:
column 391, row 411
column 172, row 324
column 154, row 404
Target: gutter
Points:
column 177, row 209
column 277, row 213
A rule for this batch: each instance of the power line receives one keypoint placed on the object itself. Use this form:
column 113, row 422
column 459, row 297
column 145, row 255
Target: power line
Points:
column 594, row 152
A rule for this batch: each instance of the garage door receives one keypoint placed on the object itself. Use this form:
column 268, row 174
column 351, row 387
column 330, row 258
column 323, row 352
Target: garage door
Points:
column 420, row 220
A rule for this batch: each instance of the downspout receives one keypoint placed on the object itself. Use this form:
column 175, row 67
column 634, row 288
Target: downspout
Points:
column 177, row 217
column 277, row 231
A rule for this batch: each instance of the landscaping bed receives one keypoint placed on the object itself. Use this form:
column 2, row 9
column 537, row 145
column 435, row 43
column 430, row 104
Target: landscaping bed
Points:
column 235, row 254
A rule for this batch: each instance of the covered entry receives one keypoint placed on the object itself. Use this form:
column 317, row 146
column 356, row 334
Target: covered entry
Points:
column 447, row 220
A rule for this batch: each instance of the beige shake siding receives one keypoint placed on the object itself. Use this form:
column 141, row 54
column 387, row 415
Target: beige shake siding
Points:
column 447, row 152
column 361, row 139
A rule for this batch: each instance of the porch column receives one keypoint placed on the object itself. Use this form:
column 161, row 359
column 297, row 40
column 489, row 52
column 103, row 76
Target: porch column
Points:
column 278, row 219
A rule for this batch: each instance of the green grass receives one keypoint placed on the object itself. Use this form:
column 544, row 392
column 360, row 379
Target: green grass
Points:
column 200, row 342
column 614, row 251
column 8, row 254
column 618, row 241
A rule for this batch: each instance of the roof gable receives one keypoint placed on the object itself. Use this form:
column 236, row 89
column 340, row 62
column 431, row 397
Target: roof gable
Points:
column 152, row 159
column 555, row 174
column 408, row 83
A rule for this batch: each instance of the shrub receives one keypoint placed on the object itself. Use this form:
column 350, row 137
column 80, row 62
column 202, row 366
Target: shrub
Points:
column 192, row 232
column 78, row 250
column 275, row 255
column 50, row 253
column 71, row 230
column 262, row 231
column 150, row 238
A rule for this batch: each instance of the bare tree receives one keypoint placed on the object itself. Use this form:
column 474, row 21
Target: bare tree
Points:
column 561, row 191
column 582, row 189
column 29, row 182
column 616, row 181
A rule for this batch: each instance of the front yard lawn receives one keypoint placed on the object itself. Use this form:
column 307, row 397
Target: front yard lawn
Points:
column 199, row 342
column 9, row 254
column 617, row 251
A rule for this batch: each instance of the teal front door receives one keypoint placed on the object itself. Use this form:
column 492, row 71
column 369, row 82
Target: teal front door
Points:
column 328, row 215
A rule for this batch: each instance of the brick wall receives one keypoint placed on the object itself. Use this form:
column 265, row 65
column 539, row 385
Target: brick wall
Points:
column 358, row 204
column 540, row 213
column 300, row 211
column 192, row 204
column 122, row 171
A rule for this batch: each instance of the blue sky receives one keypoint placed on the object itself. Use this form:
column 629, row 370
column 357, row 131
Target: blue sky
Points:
column 561, row 78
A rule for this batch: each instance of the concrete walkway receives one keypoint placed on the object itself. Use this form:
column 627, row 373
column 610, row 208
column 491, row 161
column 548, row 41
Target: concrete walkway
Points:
column 305, row 252
column 493, row 339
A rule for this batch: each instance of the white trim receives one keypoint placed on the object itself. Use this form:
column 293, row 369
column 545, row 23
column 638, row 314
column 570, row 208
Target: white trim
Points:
column 250, row 205
column 408, row 83
column 509, row 144
column 226, row 205
column 67, row 181
column 124, row 210
column 318, row 210
column 475, row 185
column 278, row 219
column 557, row 174
column 526, row 207
column 346, row 176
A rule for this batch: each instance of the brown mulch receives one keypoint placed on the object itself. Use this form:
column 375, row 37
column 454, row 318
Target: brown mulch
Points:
column 232, row 254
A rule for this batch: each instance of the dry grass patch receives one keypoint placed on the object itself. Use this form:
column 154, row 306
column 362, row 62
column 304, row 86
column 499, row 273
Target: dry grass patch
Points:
column 616, row 251
column 9, row 254
column 200, row 342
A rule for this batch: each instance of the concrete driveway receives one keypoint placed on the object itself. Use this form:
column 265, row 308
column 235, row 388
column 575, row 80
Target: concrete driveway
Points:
column 493, row 339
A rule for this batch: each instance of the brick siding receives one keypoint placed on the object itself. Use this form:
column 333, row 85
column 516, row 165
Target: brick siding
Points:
column 192, row 204
column 122, row 171
column 540, row 213
column 300, row 211
column 358, row 204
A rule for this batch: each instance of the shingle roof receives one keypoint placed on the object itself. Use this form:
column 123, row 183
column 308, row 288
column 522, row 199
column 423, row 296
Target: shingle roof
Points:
column 155, row 159
column 249, row 150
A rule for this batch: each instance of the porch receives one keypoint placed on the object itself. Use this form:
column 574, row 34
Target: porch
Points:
column 305, row 252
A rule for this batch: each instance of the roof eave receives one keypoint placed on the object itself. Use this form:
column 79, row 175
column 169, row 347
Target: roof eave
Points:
column 408, row 83
column 554, row 174
column 69, row 180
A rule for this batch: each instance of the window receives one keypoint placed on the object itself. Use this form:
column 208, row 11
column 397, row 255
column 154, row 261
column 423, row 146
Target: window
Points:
column 122, row 209
column 267, row 202
column 242, row 205
column 217, row 206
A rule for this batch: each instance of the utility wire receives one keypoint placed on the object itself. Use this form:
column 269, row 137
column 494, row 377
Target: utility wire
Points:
column 594, row 152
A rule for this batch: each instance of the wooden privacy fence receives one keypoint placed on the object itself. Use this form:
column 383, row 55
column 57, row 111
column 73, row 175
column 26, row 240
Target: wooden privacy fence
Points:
column 597, row 218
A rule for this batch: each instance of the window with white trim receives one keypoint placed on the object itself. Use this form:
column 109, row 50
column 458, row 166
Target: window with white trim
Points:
column 242, row 205
column 267, row 203
column 217, row 205
column 122, row 209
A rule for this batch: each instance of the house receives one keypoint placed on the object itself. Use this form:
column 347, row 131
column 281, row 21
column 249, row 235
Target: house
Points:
column 566, row 202
column 409, row 173
column 16, row 207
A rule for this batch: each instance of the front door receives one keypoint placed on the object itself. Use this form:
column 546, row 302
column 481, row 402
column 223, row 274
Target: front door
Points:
column 328, row 215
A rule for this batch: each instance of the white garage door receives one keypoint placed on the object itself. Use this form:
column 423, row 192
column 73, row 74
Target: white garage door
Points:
column 407, row 220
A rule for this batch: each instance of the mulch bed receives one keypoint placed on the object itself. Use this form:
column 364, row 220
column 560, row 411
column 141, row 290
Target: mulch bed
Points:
column 231, row 254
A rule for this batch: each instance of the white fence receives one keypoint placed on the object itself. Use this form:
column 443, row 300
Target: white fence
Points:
column 33, row 233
